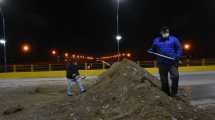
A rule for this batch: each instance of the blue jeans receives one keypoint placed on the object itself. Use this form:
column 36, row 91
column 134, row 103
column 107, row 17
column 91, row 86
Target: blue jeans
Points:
column 70, row 83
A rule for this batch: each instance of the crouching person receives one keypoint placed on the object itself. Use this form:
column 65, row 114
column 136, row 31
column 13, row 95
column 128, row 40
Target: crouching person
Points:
column 72, row 75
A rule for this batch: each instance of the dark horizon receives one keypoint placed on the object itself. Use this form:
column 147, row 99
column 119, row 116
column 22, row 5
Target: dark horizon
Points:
column 89, row 27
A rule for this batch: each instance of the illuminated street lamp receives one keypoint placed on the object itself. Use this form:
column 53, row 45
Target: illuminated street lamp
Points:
column 26, row 48
column 187, row 47
column 54, row 52
column 66, row 54
column 118, row 38
column 3, row 41
column 73, row 56
column 129, row 55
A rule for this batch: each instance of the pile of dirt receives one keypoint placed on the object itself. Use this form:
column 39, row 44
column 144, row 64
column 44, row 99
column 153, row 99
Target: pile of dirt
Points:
column 128, row 92
column 124, row 92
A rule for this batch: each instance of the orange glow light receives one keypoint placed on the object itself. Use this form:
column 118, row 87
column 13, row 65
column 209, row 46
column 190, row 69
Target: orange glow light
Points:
column 25, row 48
column 66, row 54
column 54, row 52
column 129, row 55
column 187, row 46
column 73, row 56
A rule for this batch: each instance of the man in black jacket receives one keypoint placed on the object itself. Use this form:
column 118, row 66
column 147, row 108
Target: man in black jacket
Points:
column 72, row 75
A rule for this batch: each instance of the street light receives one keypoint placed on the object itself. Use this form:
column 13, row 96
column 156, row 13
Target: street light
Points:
column 26, row 48
column 187, row 46
column 118, row 36
column 66, row 55
column 54, row 52
column 129, row 55
column 187, row 49
column 3, row 41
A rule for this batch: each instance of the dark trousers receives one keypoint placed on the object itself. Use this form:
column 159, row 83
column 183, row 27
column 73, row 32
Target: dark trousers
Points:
column 174, row 75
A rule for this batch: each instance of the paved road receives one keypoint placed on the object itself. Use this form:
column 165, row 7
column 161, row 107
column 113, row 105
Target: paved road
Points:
column 13, row 83
column 202, row 84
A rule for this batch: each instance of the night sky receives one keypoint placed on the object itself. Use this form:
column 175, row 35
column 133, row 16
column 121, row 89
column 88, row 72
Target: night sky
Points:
column 89, row 26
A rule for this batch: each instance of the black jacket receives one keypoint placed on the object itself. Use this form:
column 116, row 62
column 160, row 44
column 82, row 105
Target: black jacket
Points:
column 72, row 71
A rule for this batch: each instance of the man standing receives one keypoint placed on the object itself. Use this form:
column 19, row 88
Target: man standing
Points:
column 167, row 45
column 72, row 75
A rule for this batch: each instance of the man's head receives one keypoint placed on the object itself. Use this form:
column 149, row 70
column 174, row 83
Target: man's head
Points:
column 165, row 32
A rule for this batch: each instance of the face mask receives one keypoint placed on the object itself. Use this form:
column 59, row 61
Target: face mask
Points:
column 165, row 35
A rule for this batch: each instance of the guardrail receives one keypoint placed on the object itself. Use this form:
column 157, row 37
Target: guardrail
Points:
column 96, row 65
column 185, row 62
column 50, row 67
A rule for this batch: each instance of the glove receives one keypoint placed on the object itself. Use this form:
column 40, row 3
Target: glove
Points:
column 178, row 61
column 74, row 75
column 77, row 77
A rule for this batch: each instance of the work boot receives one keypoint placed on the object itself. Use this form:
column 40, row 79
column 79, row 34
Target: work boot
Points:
column 83, row 91
column 69, row 94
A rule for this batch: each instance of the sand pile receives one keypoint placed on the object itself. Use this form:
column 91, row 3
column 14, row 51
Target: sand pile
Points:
column 125, row 92
column 128, row 92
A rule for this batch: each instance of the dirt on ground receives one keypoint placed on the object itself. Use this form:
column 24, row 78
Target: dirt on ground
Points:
column 124, row 92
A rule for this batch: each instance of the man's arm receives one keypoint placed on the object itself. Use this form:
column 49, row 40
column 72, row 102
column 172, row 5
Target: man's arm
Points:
column 153, row 47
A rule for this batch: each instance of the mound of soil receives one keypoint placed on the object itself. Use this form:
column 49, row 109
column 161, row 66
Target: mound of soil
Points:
column 124, row 92
column 128, row 92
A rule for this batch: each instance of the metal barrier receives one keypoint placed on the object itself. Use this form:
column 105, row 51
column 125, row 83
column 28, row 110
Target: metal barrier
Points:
column 96, row 65
column 185, row 62
column 50, row 67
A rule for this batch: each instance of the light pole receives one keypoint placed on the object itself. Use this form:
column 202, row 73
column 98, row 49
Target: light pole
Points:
column 117, row 17
column 3, row 41
column 118, row 36
column 187, row 49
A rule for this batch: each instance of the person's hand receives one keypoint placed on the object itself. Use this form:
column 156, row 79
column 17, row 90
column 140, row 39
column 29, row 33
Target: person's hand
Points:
column 78, row 77
column 178, row 61
column 73, row 75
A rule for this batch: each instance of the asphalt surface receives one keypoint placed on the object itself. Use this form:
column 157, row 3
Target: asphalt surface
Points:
column 203, row 86
column 201, row 83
